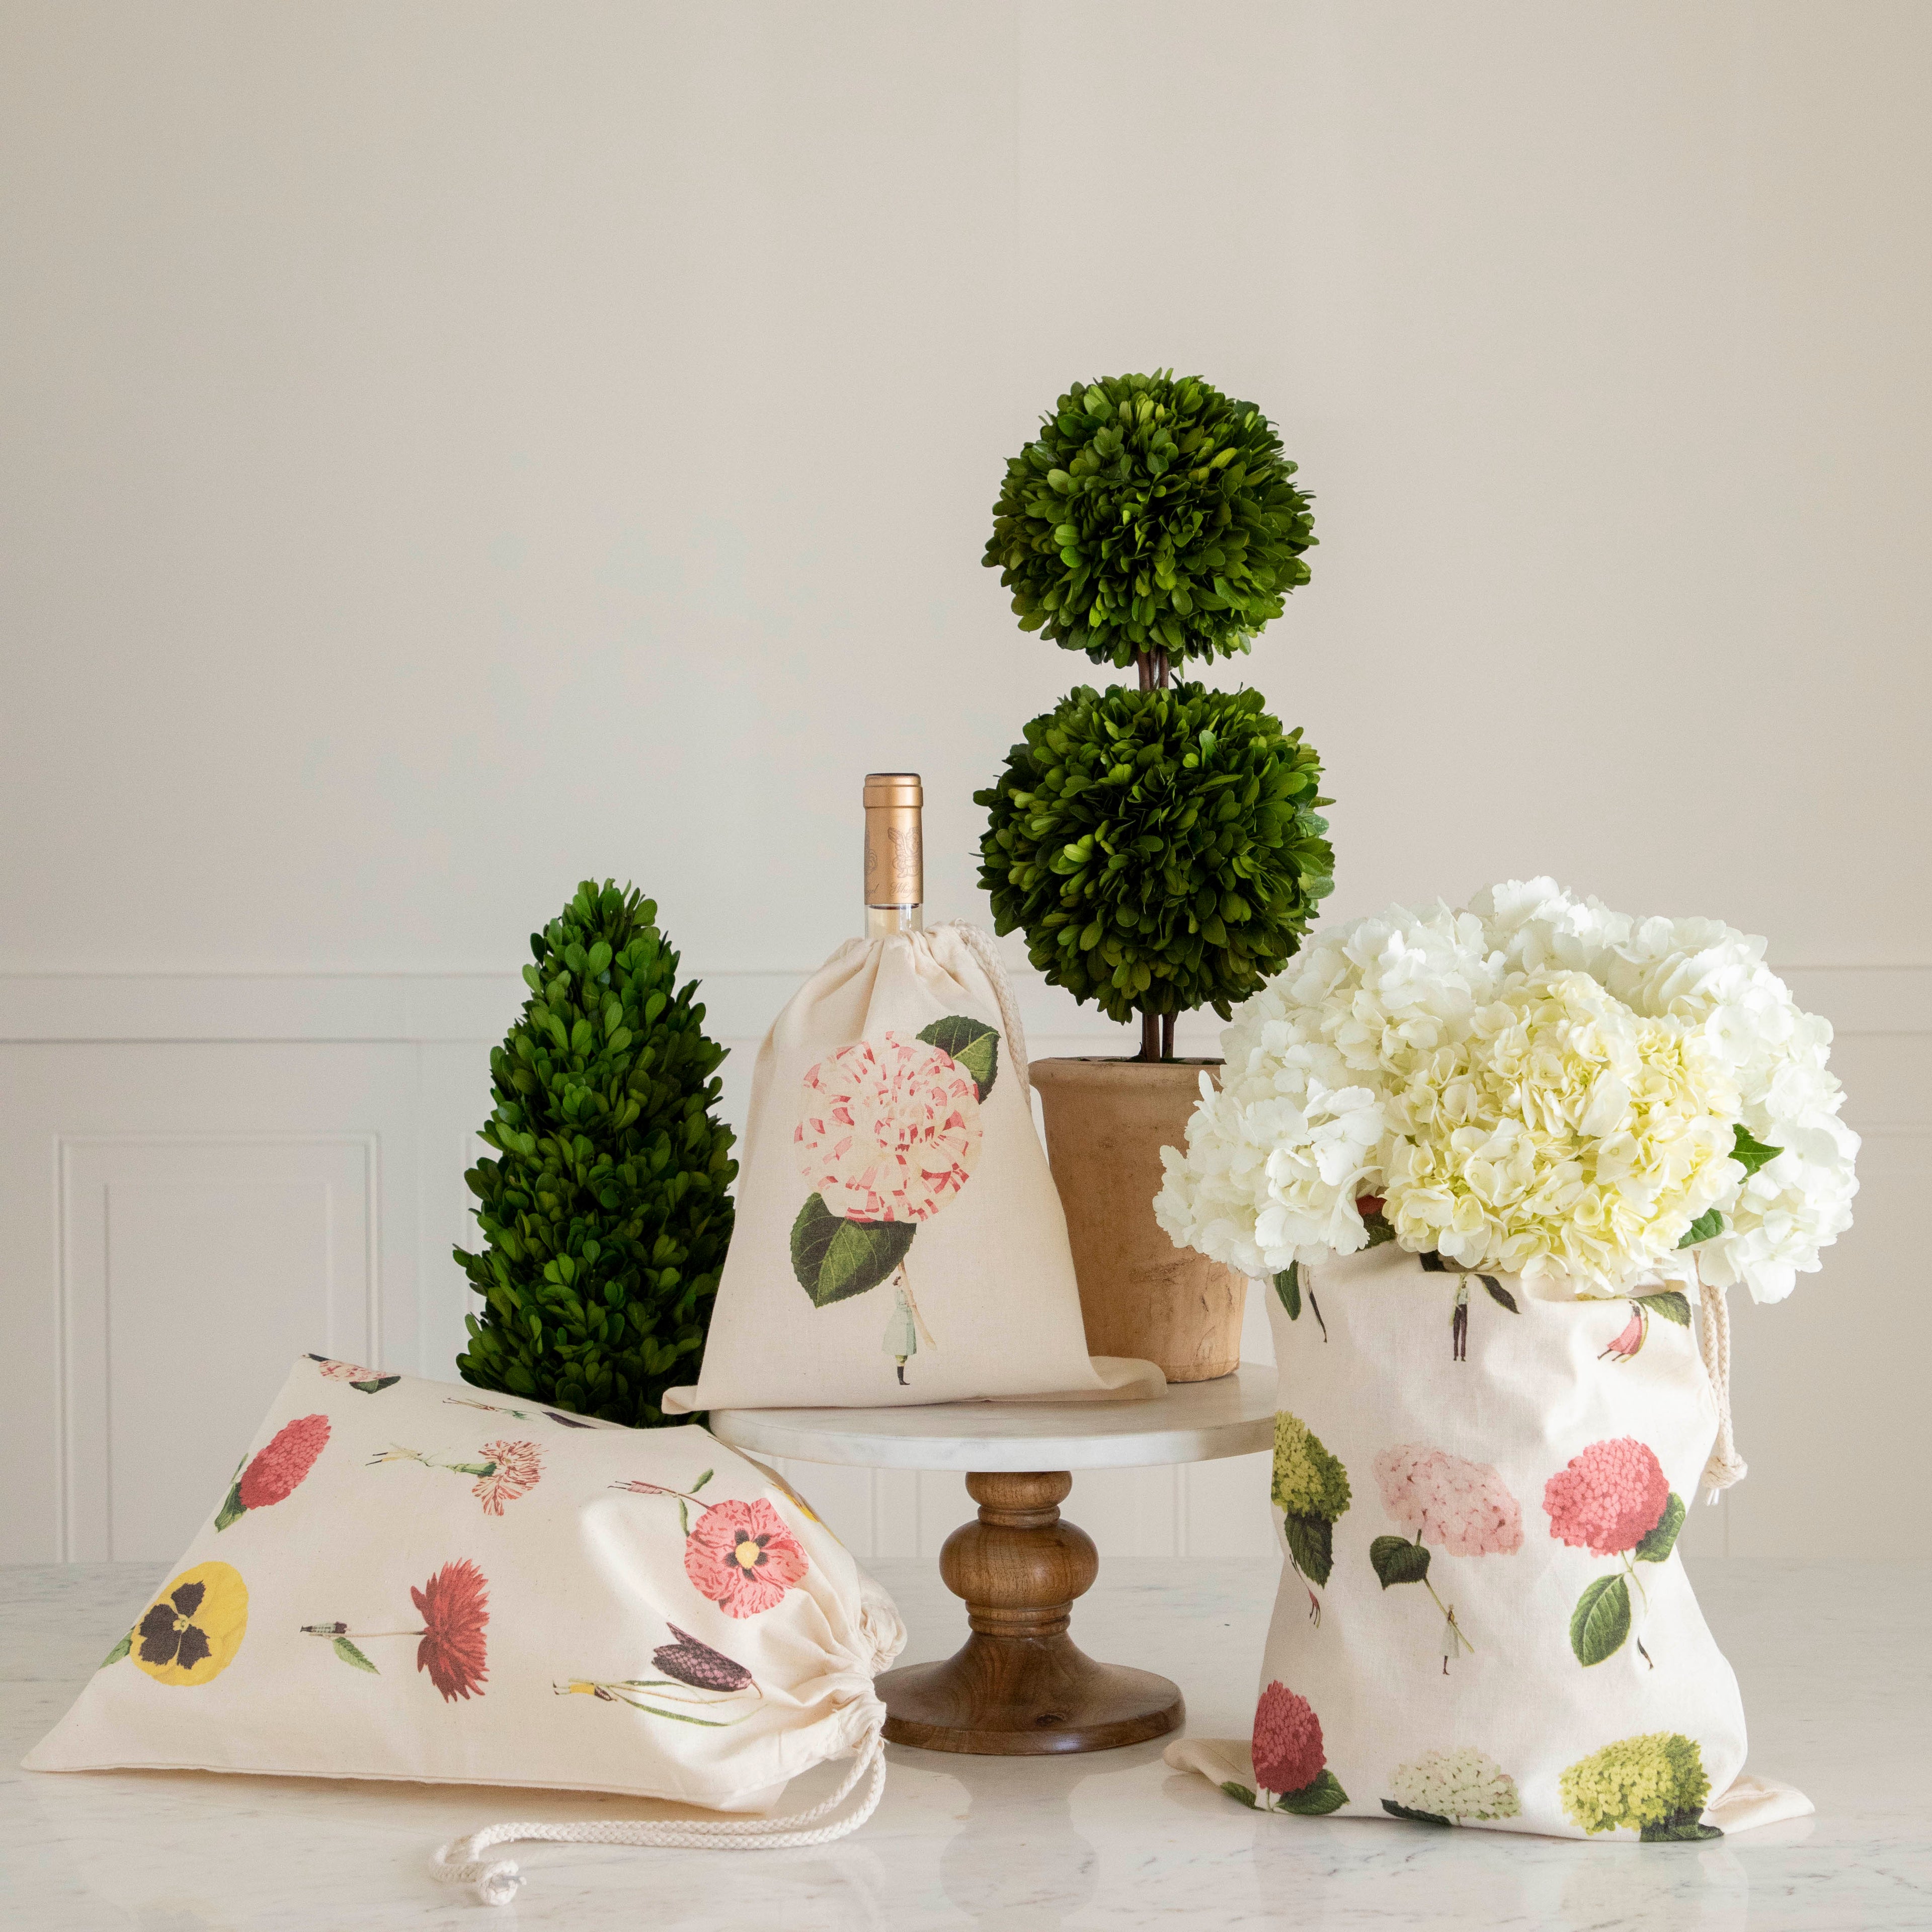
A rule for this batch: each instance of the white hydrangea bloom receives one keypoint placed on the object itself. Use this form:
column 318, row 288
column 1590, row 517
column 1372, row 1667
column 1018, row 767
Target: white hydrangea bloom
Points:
column 1536, row 1084
column 1460, row 1783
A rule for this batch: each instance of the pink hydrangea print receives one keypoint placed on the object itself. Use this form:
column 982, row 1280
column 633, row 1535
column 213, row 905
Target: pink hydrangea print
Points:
column 1290, row 1766
column 1461, row 1508
column 1608, row 1498
column 741, row 1556
column 1612, row 1499
column 889, row 1130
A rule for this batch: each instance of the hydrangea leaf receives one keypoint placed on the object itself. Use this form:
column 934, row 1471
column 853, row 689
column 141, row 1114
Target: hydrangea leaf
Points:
column 973, row 1043
column 1311, row 1542
column 1379, row 1230
column 1316, row 1800
column 1658, row 1544
column 1671, row 1303
column 1684, row 1825
column 1395, row 1810
column 1707, row 1226
column 1500, row 1295
column 1287, row 1290
column 1750, row 1153
column 1239, row 1792
column 835, row 1258
column 1600, row 1621
column 1397, row 1560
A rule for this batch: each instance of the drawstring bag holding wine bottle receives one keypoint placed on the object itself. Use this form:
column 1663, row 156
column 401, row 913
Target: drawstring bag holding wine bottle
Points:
column 899, row 1238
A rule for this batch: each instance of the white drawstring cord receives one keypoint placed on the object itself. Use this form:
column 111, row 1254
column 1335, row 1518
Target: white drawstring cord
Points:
column 1714, row 1338
column 980, row 945
column 460, row 1862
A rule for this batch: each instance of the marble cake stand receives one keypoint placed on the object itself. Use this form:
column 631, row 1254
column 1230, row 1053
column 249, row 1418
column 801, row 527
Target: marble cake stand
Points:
column 1021, row 1686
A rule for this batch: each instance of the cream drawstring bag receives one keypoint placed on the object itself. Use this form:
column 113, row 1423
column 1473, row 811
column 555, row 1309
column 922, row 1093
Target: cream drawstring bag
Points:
column 1483, row 1619
column 421, row 1580
column 899, row 1238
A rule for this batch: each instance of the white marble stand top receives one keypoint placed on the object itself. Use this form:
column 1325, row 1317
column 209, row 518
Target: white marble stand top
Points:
column 1192, row 1422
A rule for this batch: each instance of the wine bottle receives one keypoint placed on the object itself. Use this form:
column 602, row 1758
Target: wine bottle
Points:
column 895, row 862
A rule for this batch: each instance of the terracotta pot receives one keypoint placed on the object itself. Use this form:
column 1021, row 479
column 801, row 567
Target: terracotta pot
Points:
column 1106, row 1123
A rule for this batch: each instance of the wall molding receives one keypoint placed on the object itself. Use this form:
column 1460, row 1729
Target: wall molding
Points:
column 95, row 1008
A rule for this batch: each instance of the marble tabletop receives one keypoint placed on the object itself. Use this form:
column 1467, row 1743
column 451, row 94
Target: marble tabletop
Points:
column 1832, row 1657
column 1189, row 1422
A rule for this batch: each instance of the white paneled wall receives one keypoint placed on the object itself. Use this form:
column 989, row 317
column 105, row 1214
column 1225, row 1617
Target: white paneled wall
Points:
column 201, row 1177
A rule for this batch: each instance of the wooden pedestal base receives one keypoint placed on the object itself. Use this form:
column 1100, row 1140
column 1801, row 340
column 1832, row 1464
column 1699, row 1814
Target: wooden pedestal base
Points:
column 1021, row 1687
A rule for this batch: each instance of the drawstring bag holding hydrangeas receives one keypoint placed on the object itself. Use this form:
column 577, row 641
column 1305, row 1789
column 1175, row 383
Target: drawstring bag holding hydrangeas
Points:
column 1499, row 1166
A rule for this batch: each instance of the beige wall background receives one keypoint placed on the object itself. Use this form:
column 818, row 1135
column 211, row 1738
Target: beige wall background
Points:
column 454, row 449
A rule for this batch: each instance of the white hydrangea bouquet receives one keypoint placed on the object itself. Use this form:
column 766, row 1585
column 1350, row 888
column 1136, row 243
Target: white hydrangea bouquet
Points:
column 1536, row 1085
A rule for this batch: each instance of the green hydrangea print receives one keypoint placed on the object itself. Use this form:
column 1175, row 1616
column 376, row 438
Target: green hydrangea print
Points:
column 1311, row 1489
column 1653, row 1785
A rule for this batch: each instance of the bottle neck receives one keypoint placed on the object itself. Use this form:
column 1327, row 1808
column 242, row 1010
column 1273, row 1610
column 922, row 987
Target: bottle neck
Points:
column 895, row 857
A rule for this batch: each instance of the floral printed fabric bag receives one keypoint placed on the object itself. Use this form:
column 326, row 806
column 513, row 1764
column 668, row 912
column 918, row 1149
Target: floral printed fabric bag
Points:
column 1478, row 1482
column 899, row 1238
column 416, row 1580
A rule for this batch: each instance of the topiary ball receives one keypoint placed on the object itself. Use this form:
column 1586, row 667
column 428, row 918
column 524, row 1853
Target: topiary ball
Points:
column 606, row 1216
column 1151, row 515
column 1160, row 849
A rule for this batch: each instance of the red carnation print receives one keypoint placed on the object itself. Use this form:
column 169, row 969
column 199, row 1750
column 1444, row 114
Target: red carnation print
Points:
column 1290, row 1766
column 1608, row 1498
column 454, row 1604
column 1612, row 1499
column 741, row 1556
column 514, row 1467
column 273, row 1473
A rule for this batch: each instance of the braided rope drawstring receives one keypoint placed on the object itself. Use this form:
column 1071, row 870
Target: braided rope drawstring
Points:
column 461, row 1861
column 1713, row 1340
column 980, row 945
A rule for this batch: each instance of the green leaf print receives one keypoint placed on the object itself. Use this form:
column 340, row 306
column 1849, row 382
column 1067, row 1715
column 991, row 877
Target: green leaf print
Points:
column 1683, row 1825
column 1600, row 1621
column 349, row 1654
column 1316, row 1800
column 119, row 1650
column 1287, row 1289
column 973, row 1043
column 1395, row 1810
column 1499, row 1294
column 1311, row 1542
column 1379, row 1229
column 1661, row 1541
column 1672, row 1304
column 835, row 1258
column 1240, row 1791
column 1398, row 1561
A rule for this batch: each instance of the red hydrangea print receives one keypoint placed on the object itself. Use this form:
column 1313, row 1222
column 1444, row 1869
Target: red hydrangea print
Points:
column 1288, row 1741
column 1290, row 1766
column 741, row 1556
column 454, row 1607
column 1608, row 1498
column 272, row 1475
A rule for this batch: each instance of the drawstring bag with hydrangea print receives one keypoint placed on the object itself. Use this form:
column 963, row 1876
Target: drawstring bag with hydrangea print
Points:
column 899, row 1238
column 1495, row 1169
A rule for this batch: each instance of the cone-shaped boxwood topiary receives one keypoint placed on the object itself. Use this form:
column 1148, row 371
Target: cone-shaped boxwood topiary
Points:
column 605, row 1219
column 1151, row 515
column 1161, row 850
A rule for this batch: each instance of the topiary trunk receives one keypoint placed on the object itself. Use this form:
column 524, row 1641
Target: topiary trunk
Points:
column 605, row 1217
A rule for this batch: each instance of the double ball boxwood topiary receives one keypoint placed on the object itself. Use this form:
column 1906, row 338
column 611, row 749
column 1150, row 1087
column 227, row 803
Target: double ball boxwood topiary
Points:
column 605, row 1215
column 1161, row 848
